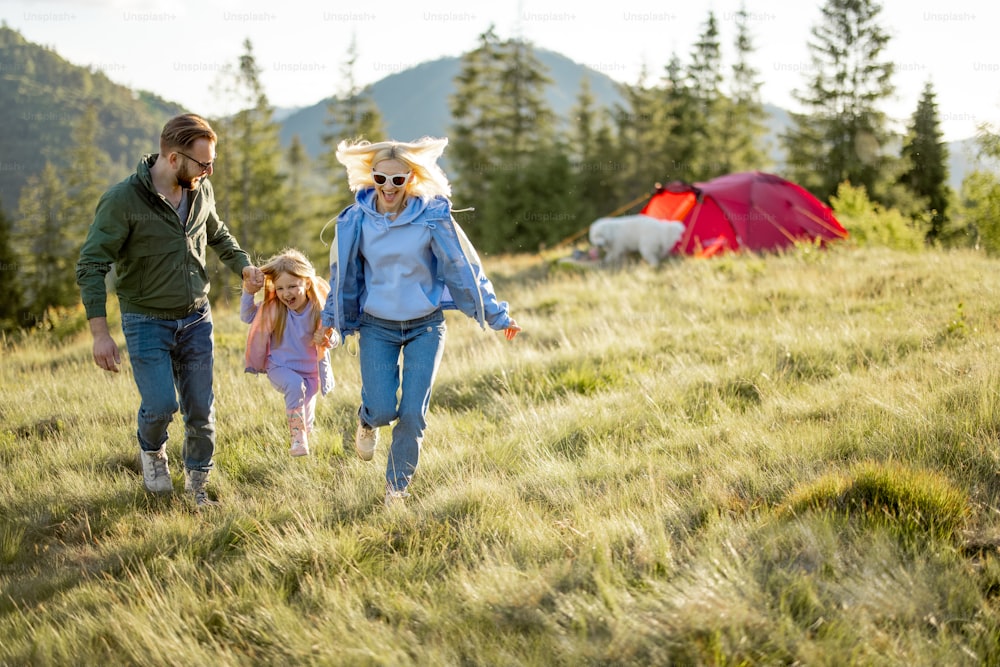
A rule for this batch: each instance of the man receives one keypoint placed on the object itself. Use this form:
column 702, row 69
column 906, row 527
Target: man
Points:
column 154, row 227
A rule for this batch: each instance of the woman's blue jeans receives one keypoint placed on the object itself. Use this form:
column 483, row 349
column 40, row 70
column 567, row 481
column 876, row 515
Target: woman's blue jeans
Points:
column 398, row 356
column 172, row 360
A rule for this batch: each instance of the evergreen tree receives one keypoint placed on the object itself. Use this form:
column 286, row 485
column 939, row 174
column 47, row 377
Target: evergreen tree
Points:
column 306, row 215
column 705, row 87
column 591, row 150
column 351, row 114
column 679, row 125
column 10, row 268
column 474, row 105
column 745, row 124
column 506, row 148
column 47, row 248
column 54, row 211
column 642, row 132
column 85, row 172
column 250, row 188
column 926, row 155
column 841, row 137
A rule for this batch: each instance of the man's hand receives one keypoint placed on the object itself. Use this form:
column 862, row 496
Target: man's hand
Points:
column 106, row 353
column 253, row 279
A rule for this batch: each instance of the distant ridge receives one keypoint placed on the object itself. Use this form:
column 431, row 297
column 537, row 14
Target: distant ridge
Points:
column 415, row 102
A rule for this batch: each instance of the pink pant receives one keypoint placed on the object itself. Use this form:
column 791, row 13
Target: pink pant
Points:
column 299, row 391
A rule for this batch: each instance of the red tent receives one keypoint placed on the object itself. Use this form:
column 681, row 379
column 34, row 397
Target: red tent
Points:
column 747, row 210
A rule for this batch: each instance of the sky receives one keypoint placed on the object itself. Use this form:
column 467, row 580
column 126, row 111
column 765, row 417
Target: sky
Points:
column 178, row 48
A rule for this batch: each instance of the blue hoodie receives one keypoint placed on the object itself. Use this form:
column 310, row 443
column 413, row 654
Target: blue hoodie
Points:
column 421, row 261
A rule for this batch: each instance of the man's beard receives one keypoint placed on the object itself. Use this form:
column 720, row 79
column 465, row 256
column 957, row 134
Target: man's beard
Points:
column 189, row 183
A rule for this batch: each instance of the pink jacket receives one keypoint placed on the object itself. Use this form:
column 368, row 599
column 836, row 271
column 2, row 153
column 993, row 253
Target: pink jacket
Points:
column 259, row 340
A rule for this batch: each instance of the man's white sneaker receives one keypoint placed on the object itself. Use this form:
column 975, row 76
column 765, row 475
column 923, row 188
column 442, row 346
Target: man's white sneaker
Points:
column 365, row 441
column 155, row 473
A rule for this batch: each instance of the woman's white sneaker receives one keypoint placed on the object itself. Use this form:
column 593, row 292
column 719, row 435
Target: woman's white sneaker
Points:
column 365, row 441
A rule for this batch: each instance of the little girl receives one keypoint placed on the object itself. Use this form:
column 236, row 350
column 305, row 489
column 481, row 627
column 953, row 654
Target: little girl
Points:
column 285, row 339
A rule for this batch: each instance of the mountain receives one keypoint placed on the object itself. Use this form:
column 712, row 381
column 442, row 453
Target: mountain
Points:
column 415, row 102
column 42, row 96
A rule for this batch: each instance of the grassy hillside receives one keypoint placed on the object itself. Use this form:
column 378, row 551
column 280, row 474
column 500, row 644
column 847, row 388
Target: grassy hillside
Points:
column 783, row 460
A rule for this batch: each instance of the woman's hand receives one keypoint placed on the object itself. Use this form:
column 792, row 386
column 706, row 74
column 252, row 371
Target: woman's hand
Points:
column 511, row 330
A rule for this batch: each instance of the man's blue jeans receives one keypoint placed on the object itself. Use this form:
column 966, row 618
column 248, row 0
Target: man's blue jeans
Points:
column 396, row 355
column 172, row 360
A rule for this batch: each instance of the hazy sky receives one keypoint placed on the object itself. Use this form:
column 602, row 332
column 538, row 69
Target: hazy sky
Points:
column 177, row 48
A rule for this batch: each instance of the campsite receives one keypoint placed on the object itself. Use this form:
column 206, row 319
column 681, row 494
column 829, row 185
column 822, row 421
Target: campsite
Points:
column 740, row 212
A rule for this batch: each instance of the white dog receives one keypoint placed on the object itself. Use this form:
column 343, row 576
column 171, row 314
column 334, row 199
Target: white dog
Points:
column 651, row 237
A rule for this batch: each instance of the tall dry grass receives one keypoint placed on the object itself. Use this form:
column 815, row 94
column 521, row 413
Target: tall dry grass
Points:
column 748, row 460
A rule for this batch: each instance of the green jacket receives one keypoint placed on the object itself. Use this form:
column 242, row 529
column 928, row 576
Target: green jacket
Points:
column 159, row 264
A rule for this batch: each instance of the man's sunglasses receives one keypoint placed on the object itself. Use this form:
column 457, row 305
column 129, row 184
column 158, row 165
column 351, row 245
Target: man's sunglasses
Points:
column 205, row 166
column 399, row 180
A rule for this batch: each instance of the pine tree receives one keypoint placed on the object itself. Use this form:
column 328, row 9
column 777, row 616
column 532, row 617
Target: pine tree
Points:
column 596, row 170
column 85, row 173
column 842, row 135
column 351, row 114
column 474, row 107
column 54, row 211
column 10, row 290
column 678, row 125
column 705, row 87
column 47, row 248
column 744, row 126
column 513, row 170
column 926, row 155
column 642, row 135
column 306, row 215
column 250, row 188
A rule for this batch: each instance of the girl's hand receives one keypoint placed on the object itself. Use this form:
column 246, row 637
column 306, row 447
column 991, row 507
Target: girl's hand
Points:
column 511, row 330
column 324, row 338
column 251, row 286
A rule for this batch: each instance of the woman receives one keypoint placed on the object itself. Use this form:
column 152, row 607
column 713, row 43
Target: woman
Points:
column 398, row 261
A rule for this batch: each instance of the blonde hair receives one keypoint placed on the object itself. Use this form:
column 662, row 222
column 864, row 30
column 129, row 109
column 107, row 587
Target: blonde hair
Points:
column 294, row 263
column 428, row 180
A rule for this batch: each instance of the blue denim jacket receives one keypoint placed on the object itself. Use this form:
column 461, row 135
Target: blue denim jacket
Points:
column 456, row 265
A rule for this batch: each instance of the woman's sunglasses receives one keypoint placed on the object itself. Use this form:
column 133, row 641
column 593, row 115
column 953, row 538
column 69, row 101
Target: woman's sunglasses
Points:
column 399, row 180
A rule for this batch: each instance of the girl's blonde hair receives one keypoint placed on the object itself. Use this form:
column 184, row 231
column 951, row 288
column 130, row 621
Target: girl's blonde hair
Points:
column 295, row 263
column 428, row 180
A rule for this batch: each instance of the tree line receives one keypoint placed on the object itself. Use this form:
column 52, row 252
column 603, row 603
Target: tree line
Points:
column 522, row 180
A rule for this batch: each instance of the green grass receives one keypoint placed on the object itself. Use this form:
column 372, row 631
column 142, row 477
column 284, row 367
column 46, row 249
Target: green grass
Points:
column 742, row 461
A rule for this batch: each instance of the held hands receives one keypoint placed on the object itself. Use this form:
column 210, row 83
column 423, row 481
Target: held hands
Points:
column 253, row 279
column 326, row 338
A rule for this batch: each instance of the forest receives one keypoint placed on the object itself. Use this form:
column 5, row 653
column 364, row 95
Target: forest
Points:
column 532, row 180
